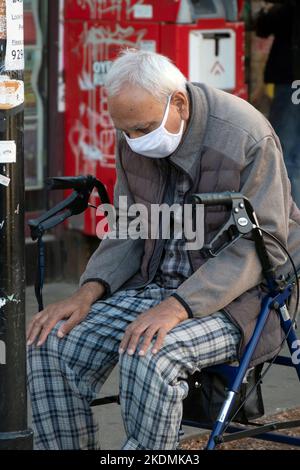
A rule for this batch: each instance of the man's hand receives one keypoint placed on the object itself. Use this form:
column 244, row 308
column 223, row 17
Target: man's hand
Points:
column 74, row 308
column 155, row 321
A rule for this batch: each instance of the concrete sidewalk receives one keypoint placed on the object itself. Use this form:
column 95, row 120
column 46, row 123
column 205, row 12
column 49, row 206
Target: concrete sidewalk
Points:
column 280, row 388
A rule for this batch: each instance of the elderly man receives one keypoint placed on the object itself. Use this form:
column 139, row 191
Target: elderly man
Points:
column 158, row 309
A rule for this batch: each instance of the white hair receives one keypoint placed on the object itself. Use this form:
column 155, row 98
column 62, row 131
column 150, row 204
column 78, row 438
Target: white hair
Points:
column 150, row 71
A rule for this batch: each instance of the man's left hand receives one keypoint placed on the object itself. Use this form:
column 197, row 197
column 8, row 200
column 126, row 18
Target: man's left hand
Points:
column 158, row 321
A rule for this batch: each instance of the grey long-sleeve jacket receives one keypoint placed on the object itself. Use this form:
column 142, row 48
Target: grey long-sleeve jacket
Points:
column 227, row 146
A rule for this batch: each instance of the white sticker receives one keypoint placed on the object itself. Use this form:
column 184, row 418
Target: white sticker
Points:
column 11, row 92
column 4, row 180
column 8, row 151
column 147, row 45
column 14, row 57
column 142, row 11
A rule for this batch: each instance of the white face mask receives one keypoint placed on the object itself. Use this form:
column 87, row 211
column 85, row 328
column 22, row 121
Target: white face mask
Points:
column 158, row 143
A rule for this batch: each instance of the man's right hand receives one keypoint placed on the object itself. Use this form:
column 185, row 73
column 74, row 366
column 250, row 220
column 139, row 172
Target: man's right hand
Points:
column 74, row 309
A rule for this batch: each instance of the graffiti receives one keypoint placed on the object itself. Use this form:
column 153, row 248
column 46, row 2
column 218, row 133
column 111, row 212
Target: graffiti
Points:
column 98, row 8
column 95, row 141
column 104, row 36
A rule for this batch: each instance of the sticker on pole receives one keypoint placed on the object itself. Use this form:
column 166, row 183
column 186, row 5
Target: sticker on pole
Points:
column 2, row 19
column 4, row 181
column 8, row 151
column 14, row 57
column 11, row 92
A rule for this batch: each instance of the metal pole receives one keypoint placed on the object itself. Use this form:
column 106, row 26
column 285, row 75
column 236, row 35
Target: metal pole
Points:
column 14, row 433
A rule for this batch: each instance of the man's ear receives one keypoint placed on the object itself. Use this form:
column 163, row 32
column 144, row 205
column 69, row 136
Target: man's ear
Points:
column 181, row 101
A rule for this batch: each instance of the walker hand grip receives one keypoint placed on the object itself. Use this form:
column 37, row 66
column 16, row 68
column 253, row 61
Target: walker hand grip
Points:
column 213, row 199
column 69, row 182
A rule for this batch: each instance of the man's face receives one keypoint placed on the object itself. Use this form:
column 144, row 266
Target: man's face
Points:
column 136, row 112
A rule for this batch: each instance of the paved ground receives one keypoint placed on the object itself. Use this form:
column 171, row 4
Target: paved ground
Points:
column 280, row 389
column 254, row 444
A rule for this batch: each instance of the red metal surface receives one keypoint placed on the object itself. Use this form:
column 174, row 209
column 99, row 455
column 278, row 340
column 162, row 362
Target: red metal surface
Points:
column 91, row 42
column 29, row 28
column 90, row 135
column 125, row 10
column 175, row 40
column 241, row 4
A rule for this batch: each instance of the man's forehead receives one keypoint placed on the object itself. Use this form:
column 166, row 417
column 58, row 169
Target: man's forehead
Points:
column 138, row 109
column 133, row 95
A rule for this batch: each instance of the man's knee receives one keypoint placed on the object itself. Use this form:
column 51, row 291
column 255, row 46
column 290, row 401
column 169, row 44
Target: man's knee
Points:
column 50, row 349
column 159, row 366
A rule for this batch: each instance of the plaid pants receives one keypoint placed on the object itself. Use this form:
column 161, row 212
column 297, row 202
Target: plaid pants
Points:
column 65, row 375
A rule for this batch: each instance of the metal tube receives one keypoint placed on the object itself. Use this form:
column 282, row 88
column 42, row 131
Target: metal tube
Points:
column 220, row 423
column 13, row 400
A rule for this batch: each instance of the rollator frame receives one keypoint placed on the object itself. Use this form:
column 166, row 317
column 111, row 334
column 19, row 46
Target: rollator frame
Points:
column 243, row 221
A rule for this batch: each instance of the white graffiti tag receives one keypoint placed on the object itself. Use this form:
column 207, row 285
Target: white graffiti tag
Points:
column 92, row 136
column 98, row 8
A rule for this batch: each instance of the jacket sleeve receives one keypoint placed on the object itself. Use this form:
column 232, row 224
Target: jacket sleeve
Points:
column 116, row 259
column 237, row 269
